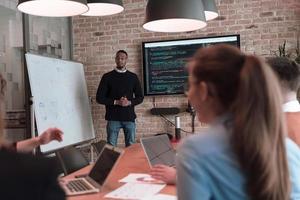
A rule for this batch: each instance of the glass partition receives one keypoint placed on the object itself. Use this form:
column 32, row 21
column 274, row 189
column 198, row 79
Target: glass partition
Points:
column 12, row 68
column 49, row 36
column 43, row 35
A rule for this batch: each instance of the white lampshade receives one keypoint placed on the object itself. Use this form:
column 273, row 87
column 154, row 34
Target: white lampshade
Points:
column 174, row 25
column 210, row 9
column 104, row 7
column 174, row 15
column 53, row 8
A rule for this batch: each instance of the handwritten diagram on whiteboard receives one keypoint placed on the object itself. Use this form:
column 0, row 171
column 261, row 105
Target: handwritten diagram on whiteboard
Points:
column 60, row 99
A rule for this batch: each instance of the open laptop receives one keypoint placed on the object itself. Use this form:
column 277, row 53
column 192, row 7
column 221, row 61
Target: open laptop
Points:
column 97, row 176
column 159, row 150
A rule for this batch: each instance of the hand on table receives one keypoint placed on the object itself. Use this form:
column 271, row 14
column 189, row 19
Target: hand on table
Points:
column 164, row 173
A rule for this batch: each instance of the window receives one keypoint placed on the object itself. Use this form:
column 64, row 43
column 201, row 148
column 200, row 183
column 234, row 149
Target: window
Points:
column 45, row 36
column 11, row 67
column 49, row 36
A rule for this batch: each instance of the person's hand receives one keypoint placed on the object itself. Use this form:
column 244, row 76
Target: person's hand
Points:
column 164, row 173
column 124, row 102
column 118, row 102
column 49, row 135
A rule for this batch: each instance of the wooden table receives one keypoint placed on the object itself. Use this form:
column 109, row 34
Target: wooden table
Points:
column 132, row 161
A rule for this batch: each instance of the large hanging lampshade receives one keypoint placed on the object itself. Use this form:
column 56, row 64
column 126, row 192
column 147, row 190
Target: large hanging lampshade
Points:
column 210, row 9
column 53, row 8
column 174, row 15
column 104, row 7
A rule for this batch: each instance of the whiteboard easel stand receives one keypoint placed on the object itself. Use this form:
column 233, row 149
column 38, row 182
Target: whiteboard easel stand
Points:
column 92, row 148
column 92, row 153
column 32, row 120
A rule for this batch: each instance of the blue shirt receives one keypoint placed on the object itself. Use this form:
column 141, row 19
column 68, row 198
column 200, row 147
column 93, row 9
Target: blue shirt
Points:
column 207, row 168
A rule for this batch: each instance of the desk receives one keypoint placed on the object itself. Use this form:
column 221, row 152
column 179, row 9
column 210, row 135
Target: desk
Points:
column 132, row 161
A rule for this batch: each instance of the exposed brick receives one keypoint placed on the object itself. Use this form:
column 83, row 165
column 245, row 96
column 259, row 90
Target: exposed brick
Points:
column 84, row 25
column 244, row 21
column 98, row 33
column 286, row 35
column 124, row 41
column 262, row 24
column 266, row 14
column 274, row 19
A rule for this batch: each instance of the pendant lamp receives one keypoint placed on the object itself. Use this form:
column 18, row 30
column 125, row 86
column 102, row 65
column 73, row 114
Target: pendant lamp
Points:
column 104, row 7
column 210, row 9
column 53, row 8
column 174, row 15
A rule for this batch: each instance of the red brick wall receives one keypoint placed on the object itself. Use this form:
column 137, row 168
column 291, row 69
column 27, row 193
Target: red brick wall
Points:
column 262, row 24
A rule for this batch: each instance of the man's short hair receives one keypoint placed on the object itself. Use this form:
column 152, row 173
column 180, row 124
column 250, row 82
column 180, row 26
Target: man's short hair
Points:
column 122, row 51
column 288, row 72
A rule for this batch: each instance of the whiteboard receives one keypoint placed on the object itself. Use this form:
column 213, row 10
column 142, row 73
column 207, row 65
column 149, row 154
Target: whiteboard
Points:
column 60, row 99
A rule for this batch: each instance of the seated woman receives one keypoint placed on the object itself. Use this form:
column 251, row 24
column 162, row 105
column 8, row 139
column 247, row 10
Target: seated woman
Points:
column 245, row 153
column 24, row 176
column 288, row 73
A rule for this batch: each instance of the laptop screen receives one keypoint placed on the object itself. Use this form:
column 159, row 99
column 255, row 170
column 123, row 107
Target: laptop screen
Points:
column 104, row 165
column 159, row 150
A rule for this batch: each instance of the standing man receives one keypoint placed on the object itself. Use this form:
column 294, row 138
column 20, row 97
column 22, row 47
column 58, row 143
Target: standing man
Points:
column 120, row 90
column 288, row 73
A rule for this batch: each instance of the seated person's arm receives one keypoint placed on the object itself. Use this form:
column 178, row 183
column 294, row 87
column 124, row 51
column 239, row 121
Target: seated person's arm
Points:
column 46, row 137
column 164, row 173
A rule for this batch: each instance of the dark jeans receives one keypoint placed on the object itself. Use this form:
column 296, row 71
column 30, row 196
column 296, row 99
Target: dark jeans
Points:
column 113, row 129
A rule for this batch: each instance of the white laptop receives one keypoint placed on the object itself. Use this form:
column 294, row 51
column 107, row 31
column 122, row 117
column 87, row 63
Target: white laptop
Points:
column 159, row 150
column 96, row 178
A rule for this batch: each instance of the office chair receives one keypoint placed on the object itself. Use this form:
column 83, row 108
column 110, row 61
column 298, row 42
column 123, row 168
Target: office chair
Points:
column 71, row 159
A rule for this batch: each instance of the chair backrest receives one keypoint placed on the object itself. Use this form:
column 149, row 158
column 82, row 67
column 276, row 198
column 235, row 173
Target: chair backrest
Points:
column 99, row 146
column 71, row 159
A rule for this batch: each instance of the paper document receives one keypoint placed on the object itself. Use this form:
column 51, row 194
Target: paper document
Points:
column 135, row 191
column 161, row 197
column 140, row 178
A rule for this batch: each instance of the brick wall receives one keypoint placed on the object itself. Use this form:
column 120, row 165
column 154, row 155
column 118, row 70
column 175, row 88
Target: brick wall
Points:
column 262, row 24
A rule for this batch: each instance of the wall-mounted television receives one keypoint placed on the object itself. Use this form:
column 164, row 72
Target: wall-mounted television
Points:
column 164, row 62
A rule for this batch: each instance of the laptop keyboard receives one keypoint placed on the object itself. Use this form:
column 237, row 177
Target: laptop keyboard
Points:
column 78, row 186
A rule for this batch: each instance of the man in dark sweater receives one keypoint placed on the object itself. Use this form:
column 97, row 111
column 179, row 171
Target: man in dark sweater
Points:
column 120, row 90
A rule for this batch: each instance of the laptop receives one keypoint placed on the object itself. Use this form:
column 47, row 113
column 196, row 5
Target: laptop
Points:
column 159, row 150
column 97, row 176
